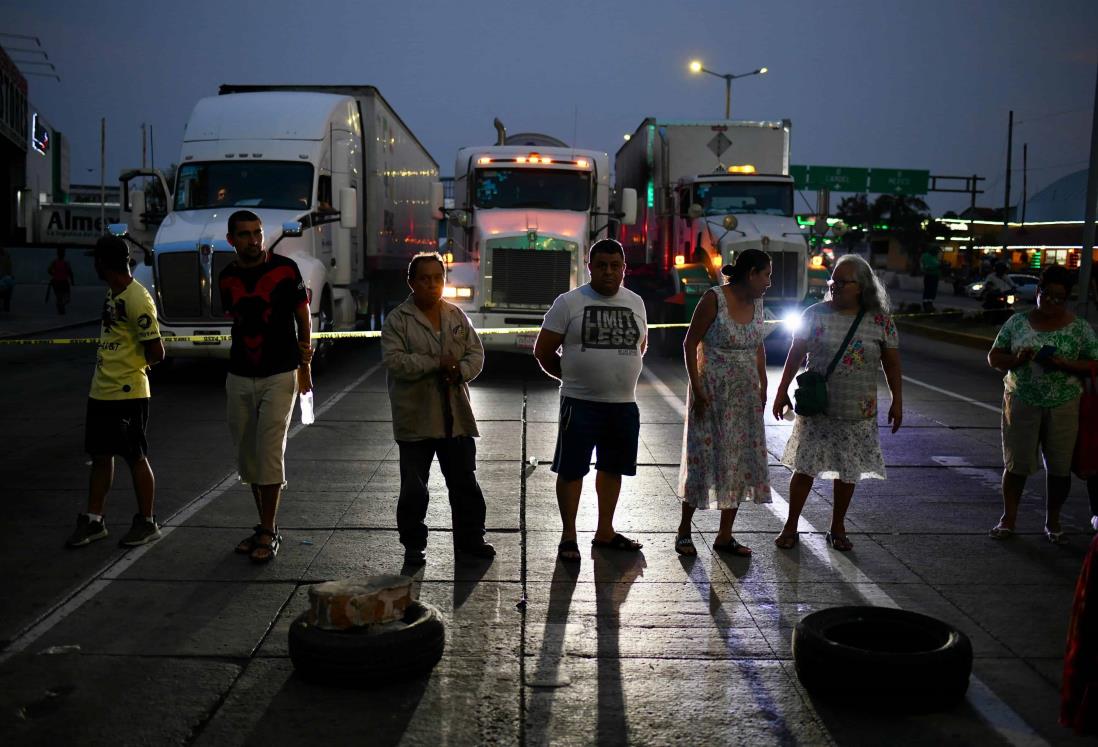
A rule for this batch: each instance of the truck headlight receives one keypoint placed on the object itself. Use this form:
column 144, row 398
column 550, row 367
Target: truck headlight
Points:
column 457, row 291
column 792, row 321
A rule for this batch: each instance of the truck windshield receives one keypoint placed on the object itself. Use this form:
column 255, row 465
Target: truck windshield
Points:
column 265, row 184
column 533, row 188
column 721, row 198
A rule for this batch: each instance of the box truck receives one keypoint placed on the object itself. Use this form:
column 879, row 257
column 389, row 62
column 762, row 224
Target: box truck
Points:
column 341, row 184
column 707, row 191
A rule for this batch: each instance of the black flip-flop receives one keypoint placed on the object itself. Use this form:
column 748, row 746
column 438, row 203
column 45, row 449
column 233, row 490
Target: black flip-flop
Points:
column 619, row 542
column 682, row 543
column 568, row 546
column 734, row 548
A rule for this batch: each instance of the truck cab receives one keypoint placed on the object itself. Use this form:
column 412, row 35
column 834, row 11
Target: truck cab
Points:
column 525, row 213
column 719, row 215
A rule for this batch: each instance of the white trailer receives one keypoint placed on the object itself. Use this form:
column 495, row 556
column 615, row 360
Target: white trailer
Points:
column 710, row 190
column 340, row 183
column 526, row 211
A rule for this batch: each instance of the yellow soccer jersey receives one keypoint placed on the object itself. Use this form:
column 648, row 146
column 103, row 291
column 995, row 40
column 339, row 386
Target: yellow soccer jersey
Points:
column 129, row 319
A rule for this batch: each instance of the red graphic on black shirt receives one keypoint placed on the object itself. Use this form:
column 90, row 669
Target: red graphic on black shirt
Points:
column 275, row 294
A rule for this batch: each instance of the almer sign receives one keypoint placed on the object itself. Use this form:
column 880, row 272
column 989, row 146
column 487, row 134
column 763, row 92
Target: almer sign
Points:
column 73, row 224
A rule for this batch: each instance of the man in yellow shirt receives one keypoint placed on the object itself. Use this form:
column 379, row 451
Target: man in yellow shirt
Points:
column 118, row 406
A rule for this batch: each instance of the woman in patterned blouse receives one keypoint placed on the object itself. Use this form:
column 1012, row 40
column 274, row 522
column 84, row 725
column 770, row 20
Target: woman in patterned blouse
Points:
column 1042, row 352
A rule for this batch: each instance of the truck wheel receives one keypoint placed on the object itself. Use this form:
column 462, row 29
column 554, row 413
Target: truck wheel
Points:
column 372, row 655
column 880, row 657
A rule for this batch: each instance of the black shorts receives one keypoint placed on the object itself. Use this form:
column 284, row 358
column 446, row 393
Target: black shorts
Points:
column 611, row 428
column 117, row 426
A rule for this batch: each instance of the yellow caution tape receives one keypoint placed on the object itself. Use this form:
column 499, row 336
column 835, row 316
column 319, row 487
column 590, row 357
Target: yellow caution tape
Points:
column 353, row 335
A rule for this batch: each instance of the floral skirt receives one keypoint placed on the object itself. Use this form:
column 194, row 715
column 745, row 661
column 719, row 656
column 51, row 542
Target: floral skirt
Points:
column 831, row 449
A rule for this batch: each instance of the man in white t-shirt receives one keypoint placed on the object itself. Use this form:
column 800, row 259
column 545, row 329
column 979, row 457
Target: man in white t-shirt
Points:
column 601, row 332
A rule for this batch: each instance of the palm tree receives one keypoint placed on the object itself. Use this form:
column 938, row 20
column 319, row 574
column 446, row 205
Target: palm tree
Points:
column 855, row 212
column 905, row 217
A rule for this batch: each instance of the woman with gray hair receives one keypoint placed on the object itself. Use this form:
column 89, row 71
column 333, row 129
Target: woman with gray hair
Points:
column 850, row 334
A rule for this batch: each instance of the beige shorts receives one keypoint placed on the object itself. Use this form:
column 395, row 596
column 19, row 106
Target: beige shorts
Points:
column 259, row 411
column 1029, row 432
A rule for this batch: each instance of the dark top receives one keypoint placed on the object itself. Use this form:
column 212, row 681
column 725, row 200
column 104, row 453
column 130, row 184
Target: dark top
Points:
column 261, row 301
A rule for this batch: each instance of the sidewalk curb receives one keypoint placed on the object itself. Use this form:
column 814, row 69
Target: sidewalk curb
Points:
column 936, row 333
column 58, row 328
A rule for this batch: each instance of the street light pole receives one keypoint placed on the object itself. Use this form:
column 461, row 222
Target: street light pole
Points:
column 696, row 67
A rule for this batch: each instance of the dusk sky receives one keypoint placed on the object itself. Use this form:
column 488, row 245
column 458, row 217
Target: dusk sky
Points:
column 920, row 85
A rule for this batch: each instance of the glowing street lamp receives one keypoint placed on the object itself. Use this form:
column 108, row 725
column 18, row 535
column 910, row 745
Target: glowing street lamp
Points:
column 697, row 67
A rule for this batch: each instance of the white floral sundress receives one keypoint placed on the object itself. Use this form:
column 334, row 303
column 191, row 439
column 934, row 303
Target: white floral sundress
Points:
column 724, row 459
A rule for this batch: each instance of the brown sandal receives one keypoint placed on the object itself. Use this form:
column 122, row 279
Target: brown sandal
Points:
column 270, row 548
column 246, row 545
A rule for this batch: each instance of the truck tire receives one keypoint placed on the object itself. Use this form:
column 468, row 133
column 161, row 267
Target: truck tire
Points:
column 369, row 656
column 890, row 659
column 322, row 352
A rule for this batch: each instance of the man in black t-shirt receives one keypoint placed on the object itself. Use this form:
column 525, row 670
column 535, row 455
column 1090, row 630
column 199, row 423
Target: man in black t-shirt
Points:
column 265, row 296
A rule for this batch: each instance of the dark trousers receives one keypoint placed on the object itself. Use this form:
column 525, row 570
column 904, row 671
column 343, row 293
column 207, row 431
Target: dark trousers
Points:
column 457, row 458
column 930, row 287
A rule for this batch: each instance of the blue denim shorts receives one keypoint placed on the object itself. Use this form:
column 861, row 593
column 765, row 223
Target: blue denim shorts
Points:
column 611, row 429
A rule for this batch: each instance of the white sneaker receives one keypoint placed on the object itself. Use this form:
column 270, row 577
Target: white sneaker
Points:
column 1094, row 523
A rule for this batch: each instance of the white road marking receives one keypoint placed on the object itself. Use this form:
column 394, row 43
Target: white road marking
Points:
column 113, row 570
column 948, row 393
column 996, row 713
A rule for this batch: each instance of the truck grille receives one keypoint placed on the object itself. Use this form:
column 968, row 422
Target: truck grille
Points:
column 183, row 290
column 786, row 270
column 529, row 277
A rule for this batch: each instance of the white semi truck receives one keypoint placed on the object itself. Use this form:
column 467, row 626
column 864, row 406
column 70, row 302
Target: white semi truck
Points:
column 709, row 190
column 526, row 211
column 342, row 186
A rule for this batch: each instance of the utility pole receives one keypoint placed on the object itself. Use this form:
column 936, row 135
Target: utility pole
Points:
column 143, row 141
column 1006, row 196
column 1086, row 258
column 1025, row 179
column 103, row 174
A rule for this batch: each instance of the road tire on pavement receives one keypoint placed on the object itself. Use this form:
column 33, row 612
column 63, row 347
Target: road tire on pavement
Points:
column 369, row 656
column 880, row 657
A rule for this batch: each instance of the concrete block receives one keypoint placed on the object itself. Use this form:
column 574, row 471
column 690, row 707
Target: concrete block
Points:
column 348, row 603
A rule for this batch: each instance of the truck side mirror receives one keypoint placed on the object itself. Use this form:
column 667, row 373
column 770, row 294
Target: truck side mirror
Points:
column 437, row 200
column 696, row 211
column 459, row 218
column 120, row 230
column 137, row 206
column 348, row 207
column 291, row 228
column 628, row 206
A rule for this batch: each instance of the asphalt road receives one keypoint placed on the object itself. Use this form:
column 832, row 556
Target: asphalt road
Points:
column 642, row 650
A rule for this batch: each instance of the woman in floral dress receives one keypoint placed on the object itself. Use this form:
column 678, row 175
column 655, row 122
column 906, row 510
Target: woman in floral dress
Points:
column 842, row 444
column 724, row 459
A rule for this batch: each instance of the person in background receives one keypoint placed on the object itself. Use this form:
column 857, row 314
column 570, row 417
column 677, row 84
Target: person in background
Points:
column 1042, row 353
column 724, row 460
column 118, row 405
column 996, row 287
column 61, row 280
column 7, row 279
column 843, row 444
column 931, row 264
